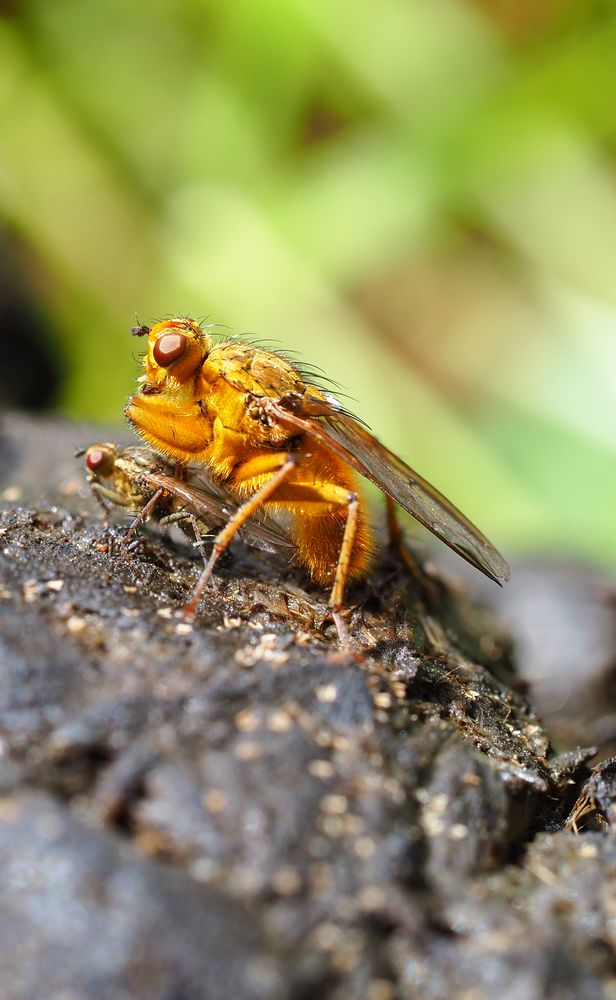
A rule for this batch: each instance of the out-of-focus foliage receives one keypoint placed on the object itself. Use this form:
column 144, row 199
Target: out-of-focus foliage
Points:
column 419, row 197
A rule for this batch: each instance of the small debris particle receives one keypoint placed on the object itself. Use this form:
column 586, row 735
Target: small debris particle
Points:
column 165, row 613
column 245, row 657
column 380, row 989
column 183, row 628
column 276, row 658
column 433, row 815
column 326, row 936
column 340, row 743
column 372, row 898
column 30, row 591
column 244, row 880
column 11, row 494
column 248, row 750
column 543, row 873
column 364, row 847
column 286, row 882
column 399, row 689
column 435, row 634
column 470, row 778
column 130, row 612
column 382, row 699
column 230, row 622
column 5, row 594
column 438, row 804
column 75, row 624
column 327, row 692
column 215, row 800
column 336, row 805
column 279, row 722
column 151, row 842
column 55, row 585
column 321, row 768
column 353, row 825
column 246, row 721
column 394, row 789
column 302, row 638
column 331, row 826
column 10, row 810
column 458, row 831
column 129, row 590
column 588, row 851
column 264, row 650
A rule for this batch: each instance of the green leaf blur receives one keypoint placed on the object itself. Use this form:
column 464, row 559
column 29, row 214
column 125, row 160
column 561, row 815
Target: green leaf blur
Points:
column 418, row 197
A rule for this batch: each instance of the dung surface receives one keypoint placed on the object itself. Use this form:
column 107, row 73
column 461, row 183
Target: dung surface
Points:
column 239, row 809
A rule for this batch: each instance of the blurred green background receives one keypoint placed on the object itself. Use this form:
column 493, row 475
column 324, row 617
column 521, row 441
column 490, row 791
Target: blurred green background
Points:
column 420, row 197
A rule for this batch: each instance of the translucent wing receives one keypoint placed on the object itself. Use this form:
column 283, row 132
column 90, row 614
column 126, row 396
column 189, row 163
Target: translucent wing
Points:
column 323, row 419
column 216, row 510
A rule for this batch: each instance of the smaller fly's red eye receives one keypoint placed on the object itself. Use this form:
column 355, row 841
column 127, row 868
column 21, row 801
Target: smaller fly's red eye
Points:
column 95, row 457
column 169, row 348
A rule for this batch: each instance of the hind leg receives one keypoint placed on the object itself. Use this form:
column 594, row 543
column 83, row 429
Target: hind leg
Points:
column 336, row 600
column 249, row 507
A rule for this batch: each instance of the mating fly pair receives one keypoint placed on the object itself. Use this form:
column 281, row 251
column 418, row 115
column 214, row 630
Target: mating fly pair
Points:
column 280, row 447
column 136, row 480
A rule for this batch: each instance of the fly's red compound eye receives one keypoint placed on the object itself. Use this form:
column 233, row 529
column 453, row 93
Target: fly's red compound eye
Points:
column 169, row 348
column 95, row 457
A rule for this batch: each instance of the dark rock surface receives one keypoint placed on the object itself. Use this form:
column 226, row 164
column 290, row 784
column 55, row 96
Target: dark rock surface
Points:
column 236, row 808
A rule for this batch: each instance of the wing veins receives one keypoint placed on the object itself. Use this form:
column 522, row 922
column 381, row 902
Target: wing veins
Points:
column 342, row 435
column 221, row 509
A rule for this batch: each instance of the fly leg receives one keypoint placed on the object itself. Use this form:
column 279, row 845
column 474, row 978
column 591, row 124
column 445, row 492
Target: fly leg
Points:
column 105, row 498
column 142, row 516
column 224, row 537
column 100, row 494
column 336, row 600
column 185, row 515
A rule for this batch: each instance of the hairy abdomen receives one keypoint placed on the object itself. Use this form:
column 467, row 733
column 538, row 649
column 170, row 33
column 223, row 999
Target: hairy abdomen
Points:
column 314, row 504
column 318, row 537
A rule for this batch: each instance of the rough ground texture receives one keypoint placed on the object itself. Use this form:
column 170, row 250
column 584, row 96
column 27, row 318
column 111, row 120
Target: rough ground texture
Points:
column 237, row 810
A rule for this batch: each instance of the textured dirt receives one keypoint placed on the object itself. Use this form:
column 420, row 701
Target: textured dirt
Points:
column 239, row 809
